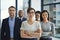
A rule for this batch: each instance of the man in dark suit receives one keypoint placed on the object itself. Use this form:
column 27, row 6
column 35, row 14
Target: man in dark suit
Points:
column 10, row 29
column 21, row 15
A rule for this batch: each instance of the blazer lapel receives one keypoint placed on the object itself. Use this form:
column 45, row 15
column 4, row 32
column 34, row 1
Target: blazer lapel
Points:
column 15, row 23
column 8, row 23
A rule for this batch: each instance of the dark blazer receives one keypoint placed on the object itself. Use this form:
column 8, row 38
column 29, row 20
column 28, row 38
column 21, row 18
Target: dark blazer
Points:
column 24, row 19
column 5, row 30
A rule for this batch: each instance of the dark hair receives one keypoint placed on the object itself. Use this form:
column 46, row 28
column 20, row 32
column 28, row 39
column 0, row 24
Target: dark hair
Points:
column 20, row 11
column 38, row 12
column 11, row 7
column 43, row 12
column 28, row 10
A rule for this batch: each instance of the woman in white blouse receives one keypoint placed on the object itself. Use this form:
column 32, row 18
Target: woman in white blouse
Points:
column 30, row 29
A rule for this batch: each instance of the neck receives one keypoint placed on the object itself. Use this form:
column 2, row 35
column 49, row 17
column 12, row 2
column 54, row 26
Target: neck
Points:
column 45, row 20
column 30, row 19
column 37, row 19
column 11, row 17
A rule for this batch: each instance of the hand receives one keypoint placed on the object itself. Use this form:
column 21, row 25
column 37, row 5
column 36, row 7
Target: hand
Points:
column 39, row 31
column 50, row 33
column 28, row 33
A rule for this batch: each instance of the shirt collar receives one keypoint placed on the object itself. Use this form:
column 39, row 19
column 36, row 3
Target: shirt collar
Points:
column 21, row 18
column 11, row 18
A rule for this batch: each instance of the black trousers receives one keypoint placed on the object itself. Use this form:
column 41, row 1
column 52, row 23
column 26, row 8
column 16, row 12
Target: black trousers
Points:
column 42, row 38
column 28, row 39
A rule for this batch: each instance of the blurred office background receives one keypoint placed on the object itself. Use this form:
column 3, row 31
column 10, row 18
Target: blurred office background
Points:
column 53, row 7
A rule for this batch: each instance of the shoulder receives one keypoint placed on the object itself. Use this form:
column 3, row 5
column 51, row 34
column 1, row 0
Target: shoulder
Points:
column 24, row 22
column 41, row 22
column 4, row 20
column 51, row 22
column 24, row 18
column 17, row 18
column 37, row 23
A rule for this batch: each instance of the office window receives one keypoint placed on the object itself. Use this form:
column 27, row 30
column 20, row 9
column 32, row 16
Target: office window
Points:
column 50, row 1
column 5, row 4
column 25, row 7
column 19, row 5
column 36, row 4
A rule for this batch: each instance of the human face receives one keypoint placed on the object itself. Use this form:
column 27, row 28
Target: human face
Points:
column 45, row 15
column 12, row 12
column 31, row 14
column 21, row 13
column 37, row 16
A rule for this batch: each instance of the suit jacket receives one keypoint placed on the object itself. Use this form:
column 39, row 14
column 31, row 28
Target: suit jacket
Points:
column 5, row 30
column 23, row 19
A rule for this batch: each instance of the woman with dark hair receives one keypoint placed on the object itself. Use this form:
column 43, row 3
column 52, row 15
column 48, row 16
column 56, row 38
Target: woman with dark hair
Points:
column 37, row 15
column 47, row 26
column 30, row 29
column 44, row 11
